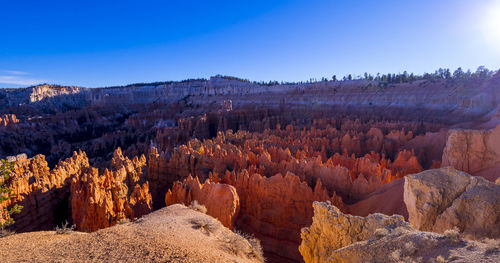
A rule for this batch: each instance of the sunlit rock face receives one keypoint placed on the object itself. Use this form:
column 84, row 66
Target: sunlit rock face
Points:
column 75, row 192
column 102, row 200
column 473, row 151
column 44, row 193
column 220, row 200
column 331, row 230
column 338, row 237
column 8, row 120
column 442, row 199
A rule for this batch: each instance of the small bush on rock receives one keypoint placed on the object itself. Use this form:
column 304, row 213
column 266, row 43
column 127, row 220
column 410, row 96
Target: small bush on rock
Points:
column 65, row 228
column 205, row 225
column 198, row 207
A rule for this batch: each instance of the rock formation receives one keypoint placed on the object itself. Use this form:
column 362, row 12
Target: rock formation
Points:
column 100, row 201
column 473, row 150
column 221, row 200
column 43, row 192
column 275, row 209
column 445, row 198
column 332, row 230
column 275, row 148
column 75, row 192
column 337, row 237
column 8, row 119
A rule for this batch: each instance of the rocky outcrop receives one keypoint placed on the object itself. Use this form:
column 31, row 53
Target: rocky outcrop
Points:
column 445, row 198
column 100, row 201
column 337, row 237
column 43, row 192
column 274, row 209
column 8, row 119
column 75, row 192
column 331, row 230
column 221, row 200
column 401, row 245
column 472, row 150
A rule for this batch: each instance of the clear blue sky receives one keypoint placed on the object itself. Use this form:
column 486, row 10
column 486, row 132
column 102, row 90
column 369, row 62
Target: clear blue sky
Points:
column 103, row 43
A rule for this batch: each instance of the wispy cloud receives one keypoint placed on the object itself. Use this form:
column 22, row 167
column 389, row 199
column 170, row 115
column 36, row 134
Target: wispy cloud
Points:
column 14, row 72
column 20, row 78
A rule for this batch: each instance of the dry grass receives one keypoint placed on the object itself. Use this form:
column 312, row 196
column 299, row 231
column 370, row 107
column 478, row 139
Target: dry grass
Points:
column 238, row 244
column 492, row 245
column 452, row 234
column 65, row 228
column 204, row 225
column 410, row 249
column 396, row 254
column 256, row 246
column 124, row 221
column 440, row 259
column 198, row 207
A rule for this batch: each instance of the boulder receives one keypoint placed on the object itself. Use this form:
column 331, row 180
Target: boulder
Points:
column 446, row 198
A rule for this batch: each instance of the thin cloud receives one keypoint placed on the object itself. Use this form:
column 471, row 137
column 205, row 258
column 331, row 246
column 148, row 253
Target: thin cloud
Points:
column 15, row 72
column 19, row 80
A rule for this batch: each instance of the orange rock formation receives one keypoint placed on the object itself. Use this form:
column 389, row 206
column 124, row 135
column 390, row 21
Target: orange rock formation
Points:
column 221, row 200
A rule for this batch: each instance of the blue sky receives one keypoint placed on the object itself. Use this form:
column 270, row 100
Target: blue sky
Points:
column 104, row 43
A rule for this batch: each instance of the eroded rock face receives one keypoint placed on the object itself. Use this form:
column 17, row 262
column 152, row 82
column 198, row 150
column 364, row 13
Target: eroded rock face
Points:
column 100, row 201
column 338, row 237
column 445, row 198
column 274, row 209
column 8, row 119
column 43, row 192
column 331, row 230
column 402, row 245
column 221, row 200
column 472, row 150
column 75, row 192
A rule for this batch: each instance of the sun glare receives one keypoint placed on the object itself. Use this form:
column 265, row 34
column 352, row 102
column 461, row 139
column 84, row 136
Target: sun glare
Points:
column 491, row 25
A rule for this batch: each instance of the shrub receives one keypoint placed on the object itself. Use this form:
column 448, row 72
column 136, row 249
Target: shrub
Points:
column 440, row 259
column 238, row 245
column 492, row 246
column 452, row 234
column 205, row 225
column 6, row 169
column 198, row 207
column 123, row 221
column 396, row 254
column 6, row 232
column 65, row 228
column 410, row 248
